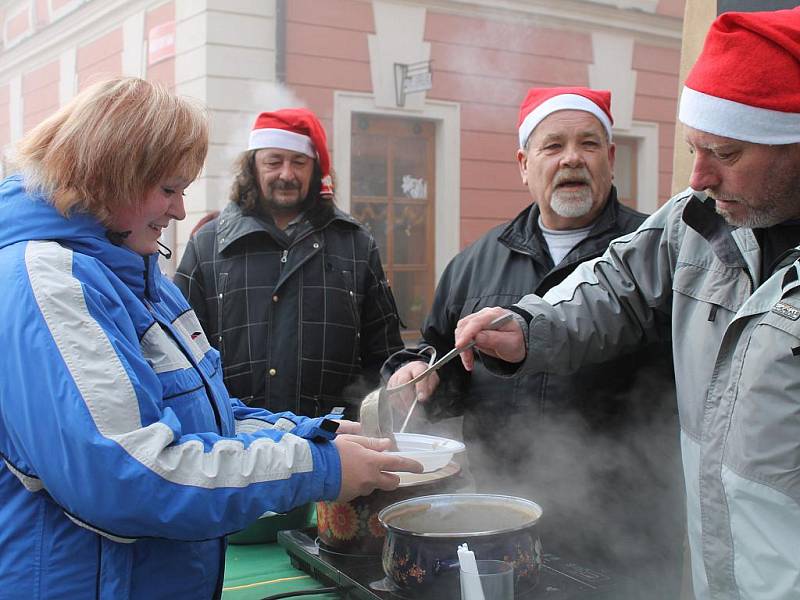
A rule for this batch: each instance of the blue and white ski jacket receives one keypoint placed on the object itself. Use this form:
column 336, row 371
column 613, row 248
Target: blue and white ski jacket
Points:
column 123, row 461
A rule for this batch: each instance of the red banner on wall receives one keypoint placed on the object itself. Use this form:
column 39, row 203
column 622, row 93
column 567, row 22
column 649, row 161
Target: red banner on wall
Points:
column 161, row 42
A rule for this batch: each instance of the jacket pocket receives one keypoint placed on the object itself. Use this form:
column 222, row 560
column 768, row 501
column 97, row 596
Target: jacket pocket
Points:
column 725, row 288
column 764, row 392
column 187, row 396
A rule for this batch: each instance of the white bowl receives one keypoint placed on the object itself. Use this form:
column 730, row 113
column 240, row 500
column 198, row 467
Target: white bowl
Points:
column 433, row 452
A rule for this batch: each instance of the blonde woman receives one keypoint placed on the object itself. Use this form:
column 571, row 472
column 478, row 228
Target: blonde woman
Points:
column 124, row 460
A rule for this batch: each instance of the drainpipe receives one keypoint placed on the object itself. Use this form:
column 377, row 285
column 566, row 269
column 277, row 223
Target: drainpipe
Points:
column 280, row 41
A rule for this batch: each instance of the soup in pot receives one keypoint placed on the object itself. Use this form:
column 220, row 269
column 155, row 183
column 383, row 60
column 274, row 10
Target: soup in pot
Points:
column 460, row 518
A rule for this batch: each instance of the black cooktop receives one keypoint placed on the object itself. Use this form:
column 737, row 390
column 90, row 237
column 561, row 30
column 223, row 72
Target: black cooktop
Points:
column 362, row 577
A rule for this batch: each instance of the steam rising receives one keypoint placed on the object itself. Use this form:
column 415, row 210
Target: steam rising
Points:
column 232, row 129
column 611, row 490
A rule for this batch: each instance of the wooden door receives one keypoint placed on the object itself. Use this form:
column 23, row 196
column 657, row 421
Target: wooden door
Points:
column 393, row 193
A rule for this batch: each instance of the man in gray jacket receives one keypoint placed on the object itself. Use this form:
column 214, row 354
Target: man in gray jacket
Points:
column 722, row 261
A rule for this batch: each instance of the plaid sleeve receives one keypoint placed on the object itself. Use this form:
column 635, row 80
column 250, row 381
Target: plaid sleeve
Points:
column 380, row 323
column 189, row 279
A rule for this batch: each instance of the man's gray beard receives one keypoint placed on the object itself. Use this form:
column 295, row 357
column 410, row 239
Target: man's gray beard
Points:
column 755, row 218
column 571, row 205
column 781, row 197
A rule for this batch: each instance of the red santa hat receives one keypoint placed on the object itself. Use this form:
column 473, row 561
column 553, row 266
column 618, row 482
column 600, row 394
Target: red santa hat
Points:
column 298, row 130
column 745, row 84
column 541, row 102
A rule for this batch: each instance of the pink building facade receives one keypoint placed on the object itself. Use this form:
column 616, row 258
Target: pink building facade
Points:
column 430, row 170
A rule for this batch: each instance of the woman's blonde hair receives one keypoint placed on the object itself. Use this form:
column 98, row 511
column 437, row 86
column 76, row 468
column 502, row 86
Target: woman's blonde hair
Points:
column 111, row 144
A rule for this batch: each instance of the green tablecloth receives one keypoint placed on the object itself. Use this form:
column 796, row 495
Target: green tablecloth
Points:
column 254, row 572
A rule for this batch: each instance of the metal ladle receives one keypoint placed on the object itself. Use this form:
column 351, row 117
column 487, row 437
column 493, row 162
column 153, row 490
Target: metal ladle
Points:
column 495, row 324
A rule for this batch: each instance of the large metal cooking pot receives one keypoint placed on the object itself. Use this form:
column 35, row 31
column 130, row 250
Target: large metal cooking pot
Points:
column 353, row 527
column 423, row 535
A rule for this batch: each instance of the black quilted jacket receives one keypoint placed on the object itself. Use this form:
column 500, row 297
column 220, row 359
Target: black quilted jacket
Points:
column 302, row 323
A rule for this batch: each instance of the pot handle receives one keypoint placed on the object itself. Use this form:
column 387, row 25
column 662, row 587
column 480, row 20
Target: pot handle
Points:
column 445, row 566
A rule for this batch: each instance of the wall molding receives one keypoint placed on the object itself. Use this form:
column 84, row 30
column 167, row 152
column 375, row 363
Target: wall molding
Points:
column 65, row 9
column 644, row 5
column 133, row 46
column 15, row 108
column 647, row 173
column 68, row 75
column 579, row 15
column 14, row 11
column 612, row 69
column 391, row 44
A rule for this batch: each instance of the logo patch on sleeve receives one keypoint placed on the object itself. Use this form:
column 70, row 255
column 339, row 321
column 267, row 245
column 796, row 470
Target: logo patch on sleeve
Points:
column 787, row 311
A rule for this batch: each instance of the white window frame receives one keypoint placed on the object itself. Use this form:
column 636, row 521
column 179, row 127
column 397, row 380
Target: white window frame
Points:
column 647, row 175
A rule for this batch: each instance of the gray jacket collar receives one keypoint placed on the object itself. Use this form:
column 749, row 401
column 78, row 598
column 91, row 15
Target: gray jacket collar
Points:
column 700, row 215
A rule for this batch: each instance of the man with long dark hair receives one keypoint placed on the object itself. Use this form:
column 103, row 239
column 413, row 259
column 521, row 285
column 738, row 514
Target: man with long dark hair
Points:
column 288, row 288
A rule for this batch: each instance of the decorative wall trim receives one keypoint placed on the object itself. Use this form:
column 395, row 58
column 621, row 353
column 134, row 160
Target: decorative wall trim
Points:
column 15, row 108
column 613, row 70
column 392, row 44
column 63, row 10
column 133, row 46
column 28, row 6
column 68, row 76
column 647, row 174
column 578, row 15
column 643, row 5
column 447, row 116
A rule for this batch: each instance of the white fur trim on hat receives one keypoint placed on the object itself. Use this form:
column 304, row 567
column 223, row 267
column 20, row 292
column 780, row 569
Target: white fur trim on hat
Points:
column 737, row 121
column 281, row 138
column 561, row 102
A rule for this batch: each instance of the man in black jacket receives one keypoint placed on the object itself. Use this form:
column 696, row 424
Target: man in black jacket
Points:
column 559, row 439
column 288, row 288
